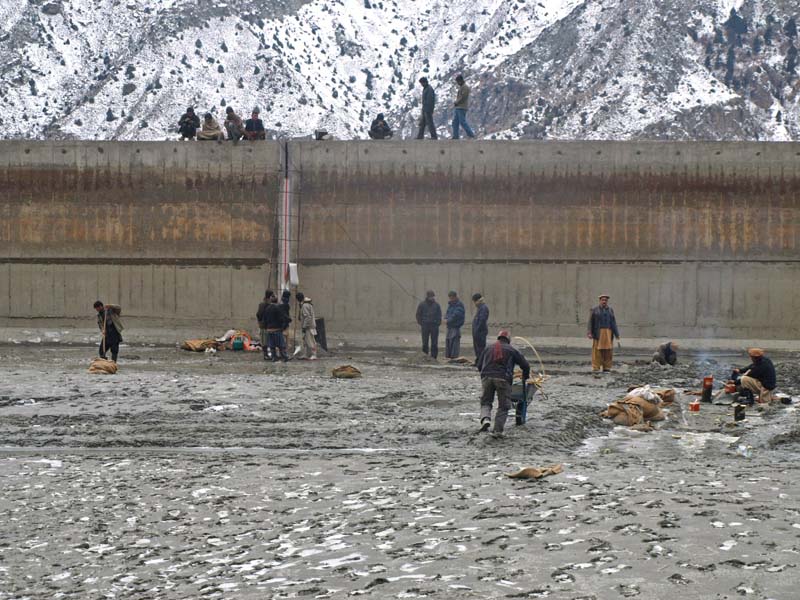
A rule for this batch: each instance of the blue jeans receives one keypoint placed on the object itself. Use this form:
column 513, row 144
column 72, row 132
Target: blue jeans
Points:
column 460, row 118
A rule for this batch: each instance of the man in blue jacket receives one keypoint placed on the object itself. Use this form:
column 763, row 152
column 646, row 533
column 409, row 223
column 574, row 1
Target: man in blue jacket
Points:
column 429, row 317
column 454, row 317
column 496, row 365
column 480, row 325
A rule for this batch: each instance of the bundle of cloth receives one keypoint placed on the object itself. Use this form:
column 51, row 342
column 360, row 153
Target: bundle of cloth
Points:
column 639, row 407
column 200, row 345
column 103, row 367
column 346, row 372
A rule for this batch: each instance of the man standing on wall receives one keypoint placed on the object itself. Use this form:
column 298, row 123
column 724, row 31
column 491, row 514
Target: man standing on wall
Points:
column 454, row 317
column 496, row 365
column 110, row 324
column 261, row 315
column 602, row 330
column 428, row 104
column 429, row 317
column 480, row 325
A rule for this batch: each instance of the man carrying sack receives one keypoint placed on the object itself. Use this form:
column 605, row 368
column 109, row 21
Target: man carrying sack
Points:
column 496, row 365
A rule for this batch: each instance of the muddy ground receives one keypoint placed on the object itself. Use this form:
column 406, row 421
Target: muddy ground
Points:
column 196, row 476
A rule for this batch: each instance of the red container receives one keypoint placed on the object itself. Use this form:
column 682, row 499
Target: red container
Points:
column 694, row 406
column 708, row 388
column 730, row 388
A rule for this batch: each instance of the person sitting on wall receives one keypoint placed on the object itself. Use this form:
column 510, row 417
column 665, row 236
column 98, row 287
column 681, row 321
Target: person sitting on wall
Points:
column 666, row 354
column 210, row 129
column 188, row 124
column 757, row 378
column 254, row 127
column 233, row 125
column 380, row 130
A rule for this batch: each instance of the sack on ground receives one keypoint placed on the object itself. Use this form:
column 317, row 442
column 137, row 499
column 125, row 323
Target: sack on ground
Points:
column 346, row 372
column 632, row 410
column 199, row 345
column 536, row 473
column 103, row 367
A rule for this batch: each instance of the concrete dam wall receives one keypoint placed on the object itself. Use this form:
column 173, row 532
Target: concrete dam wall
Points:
column 690, row 239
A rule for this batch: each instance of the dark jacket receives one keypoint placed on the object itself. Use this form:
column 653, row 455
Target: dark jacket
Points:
column 667, row 354
column 274, row 317
column 256, row 125
column 456, row 314
column 429, row 313
column 462, row 97
column 600, row 318
column 502, row 367
column 380, row 130
column 428, row 99
column 480, row 322
column 189, row 123
column 287, row 312
column 764, row 371
column 261, row 314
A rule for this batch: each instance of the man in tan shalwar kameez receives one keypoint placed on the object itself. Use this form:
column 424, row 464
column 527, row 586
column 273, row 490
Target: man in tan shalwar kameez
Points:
column 602, row 330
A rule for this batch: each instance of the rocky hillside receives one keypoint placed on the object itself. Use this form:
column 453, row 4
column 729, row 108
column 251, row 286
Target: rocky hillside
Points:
column 562, row 69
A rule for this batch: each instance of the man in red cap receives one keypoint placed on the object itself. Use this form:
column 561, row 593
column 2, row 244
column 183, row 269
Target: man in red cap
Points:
column 759, row 377
column 602, row 330
column 496, row 365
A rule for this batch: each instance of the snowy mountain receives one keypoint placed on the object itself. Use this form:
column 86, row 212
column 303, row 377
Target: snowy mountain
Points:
column 561, row 69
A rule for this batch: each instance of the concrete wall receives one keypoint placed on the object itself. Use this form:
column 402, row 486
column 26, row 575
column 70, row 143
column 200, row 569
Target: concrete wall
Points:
column 175, row 232
column 691, row 239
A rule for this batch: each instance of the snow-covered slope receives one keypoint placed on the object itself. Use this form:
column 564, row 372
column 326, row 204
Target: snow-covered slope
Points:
column 564, row 69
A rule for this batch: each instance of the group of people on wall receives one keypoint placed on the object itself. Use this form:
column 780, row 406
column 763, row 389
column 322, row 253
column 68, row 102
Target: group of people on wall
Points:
column 234, row 128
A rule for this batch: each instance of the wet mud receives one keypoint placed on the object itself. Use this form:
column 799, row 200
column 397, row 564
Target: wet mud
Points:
column 197, row 476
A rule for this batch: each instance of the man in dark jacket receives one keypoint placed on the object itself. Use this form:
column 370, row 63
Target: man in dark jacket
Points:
column 429, row 317
column 496, row 365
column 188, row 124
column 759, row 378
column 261, row 315
column 480, row 325
column 602, row 329
column 286, row 298
column 428, row 104
column 460, row 107
column 274, row 320
column 454, row 317
column 110, row 325
column 380, row 130
column 254, row 127
column 666, row 354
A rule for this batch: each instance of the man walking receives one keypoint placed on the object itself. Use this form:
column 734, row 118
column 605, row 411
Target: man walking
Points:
column 460, row 107
column 496, row 366
column 429, row 317
column 110, row 325
column 308, row 323
column 454, row 317
column 261, row 315
column 428, row 104
column 602, row 330
column 480, row 325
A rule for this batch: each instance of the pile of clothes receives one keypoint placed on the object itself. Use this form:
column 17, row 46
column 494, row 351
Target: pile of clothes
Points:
column 233, row 339
column 639, row 407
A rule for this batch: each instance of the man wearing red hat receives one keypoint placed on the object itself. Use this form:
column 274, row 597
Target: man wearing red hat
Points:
column 496, row 365
column 759, row 377
column 602, row 330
